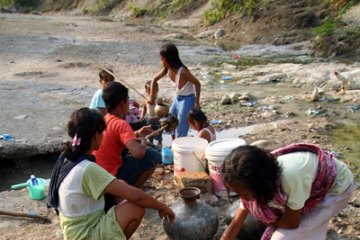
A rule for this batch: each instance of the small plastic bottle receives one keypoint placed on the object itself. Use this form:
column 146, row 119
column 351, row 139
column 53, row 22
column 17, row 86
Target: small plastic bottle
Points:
column 34, row 181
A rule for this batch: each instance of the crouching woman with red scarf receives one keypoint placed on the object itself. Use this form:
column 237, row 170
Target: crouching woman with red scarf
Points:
column 294, row 190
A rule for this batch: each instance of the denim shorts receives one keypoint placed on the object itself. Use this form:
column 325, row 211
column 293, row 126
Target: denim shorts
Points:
column 132, row 168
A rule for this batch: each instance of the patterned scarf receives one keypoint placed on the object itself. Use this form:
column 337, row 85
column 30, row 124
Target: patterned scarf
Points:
column 324, row 180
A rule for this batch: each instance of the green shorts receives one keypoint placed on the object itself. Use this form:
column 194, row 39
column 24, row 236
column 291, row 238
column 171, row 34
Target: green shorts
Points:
column 107, row 228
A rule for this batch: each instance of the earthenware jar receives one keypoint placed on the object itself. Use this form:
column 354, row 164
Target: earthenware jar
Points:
column 161, row 110
column 194, row 220
column 252, row 228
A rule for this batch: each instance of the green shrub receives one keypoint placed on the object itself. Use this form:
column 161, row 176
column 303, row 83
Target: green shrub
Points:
column 177, row 4
column 327, row 28
column 249, row 7
column 220, row 8
column 136, row 11
column 6, row 3
column 213, row 16
column 20, row 3
column 100, row 5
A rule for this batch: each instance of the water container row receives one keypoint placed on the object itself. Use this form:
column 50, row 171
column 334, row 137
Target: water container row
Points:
column 194, row 154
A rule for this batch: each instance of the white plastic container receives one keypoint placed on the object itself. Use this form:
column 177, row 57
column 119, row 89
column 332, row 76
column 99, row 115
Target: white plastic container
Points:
column 215, row 154
column 189, row 154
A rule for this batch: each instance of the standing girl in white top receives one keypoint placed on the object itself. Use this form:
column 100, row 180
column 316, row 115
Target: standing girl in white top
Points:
column 187, row 87
column 198, row 121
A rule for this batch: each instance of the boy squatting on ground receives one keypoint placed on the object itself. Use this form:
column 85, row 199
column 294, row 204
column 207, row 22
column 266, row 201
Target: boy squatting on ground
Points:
column 137, row 166
column 149, row 115
column 78, row 185
column 97, row 101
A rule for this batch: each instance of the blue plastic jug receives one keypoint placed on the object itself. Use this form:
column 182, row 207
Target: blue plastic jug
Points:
column 167, row 155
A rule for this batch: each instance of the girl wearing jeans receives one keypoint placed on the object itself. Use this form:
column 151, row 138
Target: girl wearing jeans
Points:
column 187, row 87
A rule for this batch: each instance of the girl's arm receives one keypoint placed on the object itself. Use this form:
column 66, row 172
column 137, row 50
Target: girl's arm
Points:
column 153, row 83
column 290, row 220
column 189, row 77
column 120, row 189
column 143, row 112
column 234, row 227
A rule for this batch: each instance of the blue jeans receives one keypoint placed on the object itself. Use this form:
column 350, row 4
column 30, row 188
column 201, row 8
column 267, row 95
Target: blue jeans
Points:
column 132, row 168
column 180, row 108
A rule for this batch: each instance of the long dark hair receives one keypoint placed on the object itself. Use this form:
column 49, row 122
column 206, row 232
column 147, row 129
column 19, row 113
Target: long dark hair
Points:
column 170, row 52
column 196, row 114
column 84, row 123
column 254, row 167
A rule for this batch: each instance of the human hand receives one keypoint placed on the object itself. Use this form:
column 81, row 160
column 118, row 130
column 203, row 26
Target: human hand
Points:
column 197, row 105
column 146, row 130
column 167, row 214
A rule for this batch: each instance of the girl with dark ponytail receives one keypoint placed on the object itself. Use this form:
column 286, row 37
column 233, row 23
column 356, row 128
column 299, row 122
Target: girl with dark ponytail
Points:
column 83, row 125
column 78, row 185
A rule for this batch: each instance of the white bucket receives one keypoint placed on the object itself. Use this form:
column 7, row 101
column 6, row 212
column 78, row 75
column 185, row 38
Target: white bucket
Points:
column 215, row 154
column 189, row 154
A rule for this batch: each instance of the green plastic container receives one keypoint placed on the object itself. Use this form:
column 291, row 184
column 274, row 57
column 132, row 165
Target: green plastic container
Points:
column 36, row 192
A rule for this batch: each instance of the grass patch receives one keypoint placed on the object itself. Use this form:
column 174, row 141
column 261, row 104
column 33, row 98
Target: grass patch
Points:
column 27, row 4
column 161, row 9
column 327, row 28
column 100, row 5
column 331, row 24
column 178, row 4
column 6, row 3
column 221, row 8
column 137, row 11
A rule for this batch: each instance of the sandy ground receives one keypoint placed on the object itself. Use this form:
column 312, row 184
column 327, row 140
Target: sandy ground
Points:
column 49, row 66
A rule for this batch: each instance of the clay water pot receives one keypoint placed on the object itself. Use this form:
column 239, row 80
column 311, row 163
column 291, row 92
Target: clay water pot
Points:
column 194, row 220
column 161, row 110
column 252, row 228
